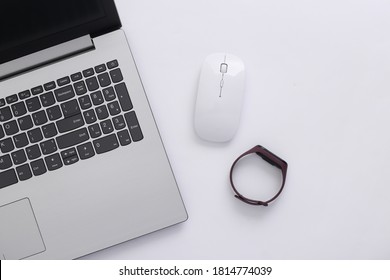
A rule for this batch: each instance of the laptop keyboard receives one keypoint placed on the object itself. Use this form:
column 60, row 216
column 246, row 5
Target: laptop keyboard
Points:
column 61, row 122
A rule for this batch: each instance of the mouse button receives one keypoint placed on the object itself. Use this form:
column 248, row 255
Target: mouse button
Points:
column 236, row 68
column 236, row 65
column 209, row 70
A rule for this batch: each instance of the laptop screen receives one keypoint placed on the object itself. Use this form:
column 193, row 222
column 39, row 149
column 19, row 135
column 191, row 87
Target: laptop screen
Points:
column 28, row 26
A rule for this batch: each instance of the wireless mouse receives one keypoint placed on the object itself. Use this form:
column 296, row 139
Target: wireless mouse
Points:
column 220, row 97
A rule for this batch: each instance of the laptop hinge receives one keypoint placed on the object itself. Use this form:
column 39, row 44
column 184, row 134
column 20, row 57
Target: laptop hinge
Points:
column 45, row 56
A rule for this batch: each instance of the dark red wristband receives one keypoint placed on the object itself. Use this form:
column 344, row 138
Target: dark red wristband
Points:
column 271, row 159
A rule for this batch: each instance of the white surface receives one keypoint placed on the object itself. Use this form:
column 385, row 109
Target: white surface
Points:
column 318, row 95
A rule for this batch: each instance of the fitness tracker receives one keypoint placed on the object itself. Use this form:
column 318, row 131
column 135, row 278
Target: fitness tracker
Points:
column 271, row 159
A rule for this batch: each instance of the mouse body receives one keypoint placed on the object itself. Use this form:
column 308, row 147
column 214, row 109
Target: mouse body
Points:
column 220, row 97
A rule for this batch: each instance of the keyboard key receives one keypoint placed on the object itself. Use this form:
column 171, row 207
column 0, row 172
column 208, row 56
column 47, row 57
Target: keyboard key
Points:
column 49, row 86
column 106, row 144
column 11, row 99
column 70, row 160
column 19, row 109
column 11, row 128
column 116, row 75
column 76, row 77
column 8, row 178
column 5, row 162
column 114, row 108
column 104, row 80
column 6, row 145
column 95, row 131
column 48, row 147
column 63, row 81
column 64, row 93
column 24, row 94
column 97, row 98
column 119, row 122
column 112, row 64
column 1, row 132
column 5, row 114
column 33, row 104
column 39, row 118
column 100, row 68
column 68, row 153
column 53, row 162
column 107, row 126
column 37, row 90
column 70, row 123
column 73, row 138
column 109, row 93
column 85, row 151
column 25, row 122
column 88, row 72
column 85, row 102
column 2, row 102
column 89, row 116
column 35, row 135
column 70, row 108
column 124, row 137
column 33, row 152
column 54, row 113
column 19, row 157
column 92, row 83
column 135, row 129
column 38, row 167
column 49, row 130
column 47, row 99
column 102, row 112
column 123, row 96
column 21, row 140
column 80, row 88
column 24, row 172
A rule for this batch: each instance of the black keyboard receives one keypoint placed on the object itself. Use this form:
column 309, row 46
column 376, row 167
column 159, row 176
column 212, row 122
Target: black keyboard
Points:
column 61, row 122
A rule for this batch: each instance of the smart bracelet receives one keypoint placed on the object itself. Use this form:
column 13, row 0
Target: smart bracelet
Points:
column 271, row 159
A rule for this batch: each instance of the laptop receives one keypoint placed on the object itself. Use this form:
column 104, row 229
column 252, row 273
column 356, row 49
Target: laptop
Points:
column 82, row 164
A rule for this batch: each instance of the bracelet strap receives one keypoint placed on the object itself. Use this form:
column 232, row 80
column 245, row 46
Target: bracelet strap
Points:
column 271, row 159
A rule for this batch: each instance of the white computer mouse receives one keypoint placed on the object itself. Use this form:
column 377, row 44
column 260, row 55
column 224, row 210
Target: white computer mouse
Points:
column 220, row 97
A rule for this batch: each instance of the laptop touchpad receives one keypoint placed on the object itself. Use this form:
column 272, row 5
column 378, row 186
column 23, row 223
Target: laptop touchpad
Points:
column 19, row 235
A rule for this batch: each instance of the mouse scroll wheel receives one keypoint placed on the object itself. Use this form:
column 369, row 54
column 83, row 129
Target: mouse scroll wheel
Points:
column 223, row 68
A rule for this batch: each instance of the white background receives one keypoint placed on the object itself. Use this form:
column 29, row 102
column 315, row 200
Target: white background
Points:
column 317, row 95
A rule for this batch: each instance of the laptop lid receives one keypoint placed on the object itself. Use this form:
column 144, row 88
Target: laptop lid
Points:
column 41, row 24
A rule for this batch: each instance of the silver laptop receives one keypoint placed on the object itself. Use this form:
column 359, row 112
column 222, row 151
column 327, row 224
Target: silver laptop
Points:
column 82, row 165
